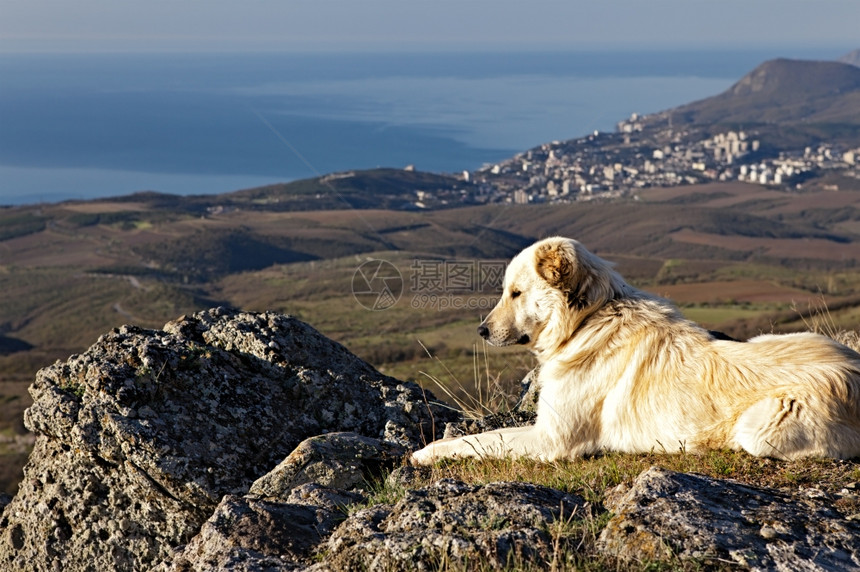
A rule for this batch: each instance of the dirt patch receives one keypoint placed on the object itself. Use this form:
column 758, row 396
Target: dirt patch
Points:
column 665, row 194
column 816, row 248
column 735, row 291
column 818, row 200
column 99, row 207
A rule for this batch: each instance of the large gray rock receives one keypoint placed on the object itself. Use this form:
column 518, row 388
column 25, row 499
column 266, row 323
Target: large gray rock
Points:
column 247, row 534
column 336, row 460
column 139, row 438
column 671, row 516
column 452, row 524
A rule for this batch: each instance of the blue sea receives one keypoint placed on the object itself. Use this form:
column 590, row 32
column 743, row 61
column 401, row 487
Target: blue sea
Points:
column 76, row 126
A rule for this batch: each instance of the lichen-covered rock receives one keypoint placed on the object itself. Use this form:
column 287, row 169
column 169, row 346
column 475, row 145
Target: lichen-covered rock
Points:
column 451, row 523
column 139, row 438
column 335, row 460
column 530, row 394
column 665, row 515
column 248, row 534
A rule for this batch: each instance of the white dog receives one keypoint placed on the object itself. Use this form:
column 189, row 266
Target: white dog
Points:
column 622, row 370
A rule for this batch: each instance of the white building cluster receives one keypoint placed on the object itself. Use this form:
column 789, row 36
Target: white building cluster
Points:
column 726, row 148
column 611, row 164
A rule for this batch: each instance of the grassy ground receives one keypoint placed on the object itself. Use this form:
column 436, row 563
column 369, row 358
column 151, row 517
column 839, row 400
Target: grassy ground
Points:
column 593, row 476
column 574, row 536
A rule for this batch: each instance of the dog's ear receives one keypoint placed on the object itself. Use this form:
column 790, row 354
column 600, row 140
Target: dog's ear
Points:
column 556, row 264
column 583, row 277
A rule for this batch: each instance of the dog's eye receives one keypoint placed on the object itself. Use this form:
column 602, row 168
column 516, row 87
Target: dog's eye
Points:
column 515, row 293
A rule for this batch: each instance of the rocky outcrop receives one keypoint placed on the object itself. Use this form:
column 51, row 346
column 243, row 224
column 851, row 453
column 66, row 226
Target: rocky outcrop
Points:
column 232, row 441
column 248, row 533
column 686, row 517
column 140, row 438
column 450, row 523
column 687, row 521
column 524, row 412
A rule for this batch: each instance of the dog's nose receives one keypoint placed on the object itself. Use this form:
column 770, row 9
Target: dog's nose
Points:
column 483, row 331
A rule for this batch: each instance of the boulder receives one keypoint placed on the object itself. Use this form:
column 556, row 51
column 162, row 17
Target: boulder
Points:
column 452, row 524
column 140, row 437
column 671, row 516
column 249, row 534
column 336, row 460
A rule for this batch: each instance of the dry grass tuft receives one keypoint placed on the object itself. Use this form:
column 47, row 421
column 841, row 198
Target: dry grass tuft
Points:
column 818, row 319
column 593, row 476
column 488, row 393
column 850, row 338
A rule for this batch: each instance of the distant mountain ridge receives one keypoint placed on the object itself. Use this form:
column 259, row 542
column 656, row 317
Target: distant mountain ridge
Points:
column 783, row 91
column 851, row 58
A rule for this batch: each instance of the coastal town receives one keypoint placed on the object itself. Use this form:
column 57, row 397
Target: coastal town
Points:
column 638, row 156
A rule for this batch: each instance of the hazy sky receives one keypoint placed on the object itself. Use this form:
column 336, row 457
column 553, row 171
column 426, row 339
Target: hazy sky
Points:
column 206, row 25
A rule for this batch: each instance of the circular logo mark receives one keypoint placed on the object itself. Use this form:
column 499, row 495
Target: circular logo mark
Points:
column 377, row 285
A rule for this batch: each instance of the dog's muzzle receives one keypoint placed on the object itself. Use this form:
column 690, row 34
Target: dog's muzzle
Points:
column 484, row 332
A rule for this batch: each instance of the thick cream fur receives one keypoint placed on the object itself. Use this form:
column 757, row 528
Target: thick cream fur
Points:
column 622, row 370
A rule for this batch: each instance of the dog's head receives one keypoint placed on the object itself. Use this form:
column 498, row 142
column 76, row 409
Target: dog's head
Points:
column 549, row 288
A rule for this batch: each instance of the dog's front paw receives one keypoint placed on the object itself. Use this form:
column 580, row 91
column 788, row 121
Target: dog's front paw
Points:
column 422, row 457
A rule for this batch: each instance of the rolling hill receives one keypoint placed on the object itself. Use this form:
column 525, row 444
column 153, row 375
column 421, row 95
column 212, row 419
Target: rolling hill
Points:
column 382, row 188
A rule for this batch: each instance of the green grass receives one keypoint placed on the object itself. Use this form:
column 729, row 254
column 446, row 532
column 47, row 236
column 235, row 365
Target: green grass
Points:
column 592, row 477
column 714, row 316
column 64, row 308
